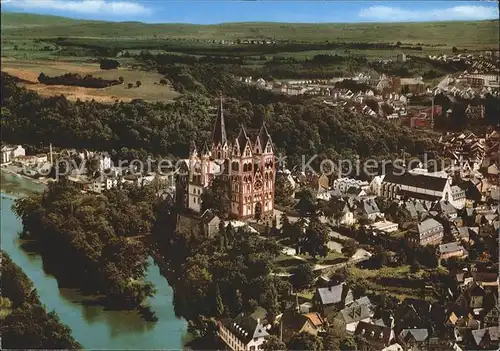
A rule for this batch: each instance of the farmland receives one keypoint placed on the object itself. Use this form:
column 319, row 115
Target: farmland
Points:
column 150, row 88
column 470, row 34
column 32, row 44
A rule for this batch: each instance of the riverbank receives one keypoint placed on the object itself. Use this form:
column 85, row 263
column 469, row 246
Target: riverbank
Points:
column 24, row 305
column 17, row 171
column 93, row 326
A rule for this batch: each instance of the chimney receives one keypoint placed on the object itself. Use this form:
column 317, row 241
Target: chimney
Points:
column 297, row 302
column 51, row 157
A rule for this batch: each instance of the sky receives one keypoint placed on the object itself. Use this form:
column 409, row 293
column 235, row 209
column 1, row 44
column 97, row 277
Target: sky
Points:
column 212, row 11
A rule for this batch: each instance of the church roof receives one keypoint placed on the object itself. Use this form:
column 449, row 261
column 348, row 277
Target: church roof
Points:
column 263, row 136
column 242, row 139
column 422, row 181
column 206, row 150
column 219, row 134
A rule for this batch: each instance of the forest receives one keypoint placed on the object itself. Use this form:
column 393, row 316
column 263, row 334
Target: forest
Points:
column 74, row 79
column 25, row 322
column 84, row 239
column 139, row 129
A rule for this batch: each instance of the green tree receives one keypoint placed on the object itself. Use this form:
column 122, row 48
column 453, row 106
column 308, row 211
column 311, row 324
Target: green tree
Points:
column 273, row 343
column 349, row 248
column 303, row 276
column 219, row 311
column 334, row 209
column 307, row 204
column 285, row 225
column 216, row 197
column 316, row 238
column 305, row 341
column 283, row 189
column 402, row 216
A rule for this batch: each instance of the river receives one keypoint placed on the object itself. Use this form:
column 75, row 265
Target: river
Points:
column 93, row 326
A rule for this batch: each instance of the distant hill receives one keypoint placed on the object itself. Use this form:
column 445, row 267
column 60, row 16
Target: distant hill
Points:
column 465, row 34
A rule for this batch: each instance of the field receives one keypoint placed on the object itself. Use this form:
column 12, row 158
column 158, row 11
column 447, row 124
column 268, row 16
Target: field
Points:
column 32, row 44
column 470, row 34
column 149, row 90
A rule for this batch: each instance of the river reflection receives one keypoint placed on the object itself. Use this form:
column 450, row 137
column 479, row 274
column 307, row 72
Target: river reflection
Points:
column 92, row 325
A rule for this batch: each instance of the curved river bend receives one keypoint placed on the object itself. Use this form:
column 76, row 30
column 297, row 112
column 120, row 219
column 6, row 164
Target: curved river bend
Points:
column 92, row 325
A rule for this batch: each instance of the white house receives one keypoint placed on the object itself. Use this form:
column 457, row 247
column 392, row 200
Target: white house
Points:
column 105, row 162
column 385, row 226
column 347, row 217
column 9, row 152
column 376, row 185
column 244, row 333
column 107, row 183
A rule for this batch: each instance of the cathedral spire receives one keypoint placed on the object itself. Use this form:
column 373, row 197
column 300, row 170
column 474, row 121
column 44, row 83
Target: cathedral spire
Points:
column 219, row 136
column 193, row 150
column 206, row 150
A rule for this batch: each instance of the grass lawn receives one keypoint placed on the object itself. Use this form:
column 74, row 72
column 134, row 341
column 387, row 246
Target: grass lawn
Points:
column 379, row 281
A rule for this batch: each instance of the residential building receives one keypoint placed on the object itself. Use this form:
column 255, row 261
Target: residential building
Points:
column 486, row 338
column 427, row 232
column 446, row 209
column 401, row 57
column 346, row 218
column 81, row 183
column 368, row 208
column 244, row 333
column 378, row 336
column 408, row 85
column 352, row 315
column 481, row 80
column 342, row 185
column 10, row 152
column 247, row 165
column 454, row 249
column 104, row 183
column 41, row 158
column 384, row 226
column 26, row 160
column 206, row 224
column 332, row 299
column 293, row 323
column 414, row 338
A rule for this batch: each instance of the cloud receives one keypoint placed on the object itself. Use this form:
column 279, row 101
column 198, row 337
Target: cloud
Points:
column 395, row 14
column 124, row 8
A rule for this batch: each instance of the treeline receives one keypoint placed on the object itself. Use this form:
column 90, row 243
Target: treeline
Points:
column 75, row 79
column 418, row 66
column 220, row 276
column 140, row 128
column 107, row 48
column 166, row 59
column 25, row 322
column 83, row 239
column 134, row 130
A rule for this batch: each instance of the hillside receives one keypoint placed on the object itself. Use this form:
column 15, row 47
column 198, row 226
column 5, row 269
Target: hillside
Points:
column 471, row 34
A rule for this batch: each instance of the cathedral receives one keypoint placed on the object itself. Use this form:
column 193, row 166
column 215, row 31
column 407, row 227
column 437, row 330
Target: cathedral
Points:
column 248, row 164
